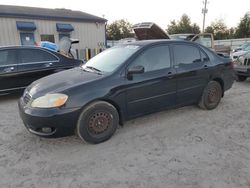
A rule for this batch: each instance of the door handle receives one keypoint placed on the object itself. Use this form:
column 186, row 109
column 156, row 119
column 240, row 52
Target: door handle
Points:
column 170, row 74
column 205, row 67
column 48, row 64
column 9, row 69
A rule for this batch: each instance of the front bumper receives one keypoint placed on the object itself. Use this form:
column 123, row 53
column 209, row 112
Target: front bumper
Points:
column 242, row 71
column 50, row 123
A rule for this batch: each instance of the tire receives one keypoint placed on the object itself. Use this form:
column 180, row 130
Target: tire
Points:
column 211, row 96
column 240, row 78
column 97, row 122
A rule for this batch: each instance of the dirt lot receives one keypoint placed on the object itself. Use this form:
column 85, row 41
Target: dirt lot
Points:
column 185, row 147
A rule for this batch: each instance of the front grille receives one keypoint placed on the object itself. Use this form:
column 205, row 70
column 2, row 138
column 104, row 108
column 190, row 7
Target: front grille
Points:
column 26, row 98
column 246, row 61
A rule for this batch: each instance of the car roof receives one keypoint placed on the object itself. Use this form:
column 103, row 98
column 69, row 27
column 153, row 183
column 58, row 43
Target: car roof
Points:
column 20, row 47
column 158, row 41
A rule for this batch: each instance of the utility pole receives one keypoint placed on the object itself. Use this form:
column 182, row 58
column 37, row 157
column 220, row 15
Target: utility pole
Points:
column 204, row 11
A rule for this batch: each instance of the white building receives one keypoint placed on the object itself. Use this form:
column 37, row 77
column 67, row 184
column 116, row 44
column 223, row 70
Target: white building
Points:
column 26, row 25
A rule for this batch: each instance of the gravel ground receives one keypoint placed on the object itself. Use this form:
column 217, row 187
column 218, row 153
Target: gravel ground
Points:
column 186, row 147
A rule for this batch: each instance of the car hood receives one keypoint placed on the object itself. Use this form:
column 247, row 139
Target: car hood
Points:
column 239, row 53
column 61, row 81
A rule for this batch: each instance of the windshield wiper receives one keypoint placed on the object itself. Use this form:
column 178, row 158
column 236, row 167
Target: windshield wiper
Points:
column 94, row 69
column 83, row 69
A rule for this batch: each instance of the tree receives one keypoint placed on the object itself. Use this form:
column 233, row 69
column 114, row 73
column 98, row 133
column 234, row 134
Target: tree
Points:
column 195, row 28
column 209, row 29
column 243, row 29
column 172, row 28
column 184, row 25
column 219, row 29
column 119, row 29
column 232, row 33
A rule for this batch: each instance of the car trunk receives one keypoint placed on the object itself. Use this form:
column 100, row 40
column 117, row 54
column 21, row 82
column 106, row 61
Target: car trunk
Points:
column 148, row 31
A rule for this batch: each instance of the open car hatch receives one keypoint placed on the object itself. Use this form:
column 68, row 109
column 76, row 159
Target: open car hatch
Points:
column 65, row 45
column 149, row 30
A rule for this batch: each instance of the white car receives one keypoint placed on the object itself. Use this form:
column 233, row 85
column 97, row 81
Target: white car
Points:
column 242, row 66
column 243, row 47
column 236, row 55
column 240, row 51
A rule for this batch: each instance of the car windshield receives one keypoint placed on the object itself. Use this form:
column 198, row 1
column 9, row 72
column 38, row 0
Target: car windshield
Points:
column 245, row 46
column 110, row 59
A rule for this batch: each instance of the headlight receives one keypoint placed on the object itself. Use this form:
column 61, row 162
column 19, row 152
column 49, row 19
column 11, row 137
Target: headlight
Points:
column 241, row 59
column 50, row 101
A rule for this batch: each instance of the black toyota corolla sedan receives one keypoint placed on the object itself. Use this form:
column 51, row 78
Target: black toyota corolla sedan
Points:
column 122, row 83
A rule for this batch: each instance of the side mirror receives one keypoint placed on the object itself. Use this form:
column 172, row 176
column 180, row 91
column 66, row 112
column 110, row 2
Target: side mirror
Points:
column 136, row 70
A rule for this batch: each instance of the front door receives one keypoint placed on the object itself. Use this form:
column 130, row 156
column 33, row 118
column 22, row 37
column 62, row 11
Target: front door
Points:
column 154, row 89
column 8, row 70
column 191, row 72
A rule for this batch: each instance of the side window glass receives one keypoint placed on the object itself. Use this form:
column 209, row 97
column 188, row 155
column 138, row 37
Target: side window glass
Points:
column 8, row 57
column 187, row 56
column 152, row 59
column 3, row 57
column 35, row 55
column 204, row 57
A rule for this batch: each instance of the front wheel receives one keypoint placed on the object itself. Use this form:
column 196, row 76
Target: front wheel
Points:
column 97, row 122
column 211, row 96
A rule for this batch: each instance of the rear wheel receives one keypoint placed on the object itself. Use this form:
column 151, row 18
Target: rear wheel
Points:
column 241, row 78
column 97, row 122
column 211, row 96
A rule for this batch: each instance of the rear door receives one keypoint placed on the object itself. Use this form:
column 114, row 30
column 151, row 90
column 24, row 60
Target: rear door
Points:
column 8, row 70
column 192, row 67
column 35, row 63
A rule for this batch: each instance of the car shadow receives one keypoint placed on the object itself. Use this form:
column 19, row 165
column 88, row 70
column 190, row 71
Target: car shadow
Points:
column 245, row 83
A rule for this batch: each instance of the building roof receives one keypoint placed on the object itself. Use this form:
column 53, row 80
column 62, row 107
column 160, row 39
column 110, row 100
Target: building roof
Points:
column 47, row 14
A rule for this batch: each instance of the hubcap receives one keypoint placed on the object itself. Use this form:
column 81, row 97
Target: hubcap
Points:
column 213, row 95
column 99, row 122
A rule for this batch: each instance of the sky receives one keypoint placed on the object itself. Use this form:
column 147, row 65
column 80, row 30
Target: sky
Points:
column 159, row 11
